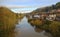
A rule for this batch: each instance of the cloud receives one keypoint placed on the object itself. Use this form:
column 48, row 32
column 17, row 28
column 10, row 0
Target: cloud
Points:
column 29, row 3
column 14, row 1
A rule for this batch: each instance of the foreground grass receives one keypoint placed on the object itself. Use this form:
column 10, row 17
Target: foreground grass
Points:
column 7, row 19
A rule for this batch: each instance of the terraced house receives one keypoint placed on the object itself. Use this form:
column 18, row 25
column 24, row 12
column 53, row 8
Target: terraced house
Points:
column 51, row 16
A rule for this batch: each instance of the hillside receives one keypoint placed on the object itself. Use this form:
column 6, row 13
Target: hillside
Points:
column 7, row 18
column 47, row 9
column 38, row 18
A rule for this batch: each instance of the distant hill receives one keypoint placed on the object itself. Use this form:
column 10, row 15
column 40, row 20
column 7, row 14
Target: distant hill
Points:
column 7, row 18
column 47, row 9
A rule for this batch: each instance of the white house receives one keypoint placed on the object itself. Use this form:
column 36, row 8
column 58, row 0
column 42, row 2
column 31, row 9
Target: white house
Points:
column 51, row 17
column 36, row 16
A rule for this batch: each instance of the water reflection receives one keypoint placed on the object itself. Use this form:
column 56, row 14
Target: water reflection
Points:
column 51, row 28
column 7, row 33
column 27, row 29
column 36, row 28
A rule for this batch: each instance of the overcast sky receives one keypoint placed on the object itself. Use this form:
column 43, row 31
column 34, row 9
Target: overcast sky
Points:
column 33, row 4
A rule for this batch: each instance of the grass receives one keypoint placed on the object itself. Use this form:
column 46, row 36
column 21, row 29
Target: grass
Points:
column 52, row 27
column 7, row 18
column 35, row 21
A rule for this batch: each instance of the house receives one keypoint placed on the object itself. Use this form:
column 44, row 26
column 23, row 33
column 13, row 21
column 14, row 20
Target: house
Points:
column 58, row 15
column 58, row 10
column 51, row 17
column 36, row 16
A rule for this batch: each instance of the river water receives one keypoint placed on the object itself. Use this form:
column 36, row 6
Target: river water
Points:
column 25, row 29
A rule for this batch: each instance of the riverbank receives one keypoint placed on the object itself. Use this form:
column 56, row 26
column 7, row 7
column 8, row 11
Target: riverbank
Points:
column 8, row 19
column 52, row 27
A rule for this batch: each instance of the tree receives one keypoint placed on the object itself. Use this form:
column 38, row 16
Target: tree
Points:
column 58, row 5
column 53, row 6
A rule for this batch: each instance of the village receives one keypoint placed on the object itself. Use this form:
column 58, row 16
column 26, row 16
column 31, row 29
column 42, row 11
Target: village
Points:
column 51, row 16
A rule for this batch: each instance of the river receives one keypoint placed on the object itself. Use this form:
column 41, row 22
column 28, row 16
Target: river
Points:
column 25, row 29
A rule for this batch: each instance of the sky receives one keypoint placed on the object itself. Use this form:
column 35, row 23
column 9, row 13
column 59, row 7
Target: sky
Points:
column 26, row 5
